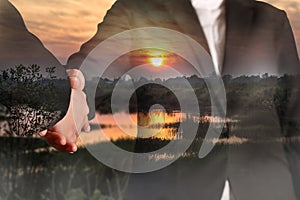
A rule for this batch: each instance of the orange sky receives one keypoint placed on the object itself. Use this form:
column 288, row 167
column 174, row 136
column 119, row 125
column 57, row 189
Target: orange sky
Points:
column 63, row 25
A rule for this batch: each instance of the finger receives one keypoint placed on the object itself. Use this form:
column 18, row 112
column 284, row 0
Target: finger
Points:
column 72, row 148
column 69, row 147
column 76, row 74
column 43, row 133
column 86, row 126
column 74, row 82
column 54, row 138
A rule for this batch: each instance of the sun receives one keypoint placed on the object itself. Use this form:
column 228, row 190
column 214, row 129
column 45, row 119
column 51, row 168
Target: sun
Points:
column 156, row 58
column 156, row 62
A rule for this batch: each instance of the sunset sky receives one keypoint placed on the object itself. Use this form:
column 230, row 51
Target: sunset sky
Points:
column 63, row 25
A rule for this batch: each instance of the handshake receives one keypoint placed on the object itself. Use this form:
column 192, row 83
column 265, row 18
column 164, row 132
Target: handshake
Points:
column 64, row 134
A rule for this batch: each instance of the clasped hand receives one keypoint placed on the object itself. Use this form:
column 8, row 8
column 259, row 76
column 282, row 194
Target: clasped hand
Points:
column 64, row 134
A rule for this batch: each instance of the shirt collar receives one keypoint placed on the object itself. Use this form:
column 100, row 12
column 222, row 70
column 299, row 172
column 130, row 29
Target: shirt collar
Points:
column 207, row 4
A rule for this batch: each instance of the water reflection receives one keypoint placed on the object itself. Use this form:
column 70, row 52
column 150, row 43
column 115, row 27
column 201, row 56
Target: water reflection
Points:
column 158, row 125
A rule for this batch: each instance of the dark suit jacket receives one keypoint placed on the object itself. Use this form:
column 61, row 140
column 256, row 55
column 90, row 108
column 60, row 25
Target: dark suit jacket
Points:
column 259, row 40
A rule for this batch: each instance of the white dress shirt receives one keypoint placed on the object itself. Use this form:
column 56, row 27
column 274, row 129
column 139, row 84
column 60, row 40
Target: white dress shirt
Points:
column 211, row 14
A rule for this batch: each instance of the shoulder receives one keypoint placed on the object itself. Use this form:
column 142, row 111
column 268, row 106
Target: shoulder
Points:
column 140, row 5
column 267, row 8
column 258, row 6
column 268, row 14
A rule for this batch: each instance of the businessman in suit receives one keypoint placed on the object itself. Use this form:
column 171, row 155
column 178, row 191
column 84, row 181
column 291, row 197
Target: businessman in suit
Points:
column 244, row 37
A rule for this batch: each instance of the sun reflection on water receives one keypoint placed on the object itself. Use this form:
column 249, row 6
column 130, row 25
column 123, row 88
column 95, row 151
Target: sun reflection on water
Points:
column 164, row 125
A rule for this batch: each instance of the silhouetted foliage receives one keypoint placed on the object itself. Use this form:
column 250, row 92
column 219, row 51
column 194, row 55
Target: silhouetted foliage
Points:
column 33, row 102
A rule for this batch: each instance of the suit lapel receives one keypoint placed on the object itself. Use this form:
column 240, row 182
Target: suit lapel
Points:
column 186, row 19
column 239, row 17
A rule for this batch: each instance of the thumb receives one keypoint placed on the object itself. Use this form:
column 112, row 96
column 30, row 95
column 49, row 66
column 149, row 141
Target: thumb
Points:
column 76, row 79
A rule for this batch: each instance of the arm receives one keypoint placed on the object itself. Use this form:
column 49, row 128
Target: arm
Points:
column 289, row 60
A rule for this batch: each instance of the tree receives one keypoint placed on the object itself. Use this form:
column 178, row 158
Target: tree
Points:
column 34, row 102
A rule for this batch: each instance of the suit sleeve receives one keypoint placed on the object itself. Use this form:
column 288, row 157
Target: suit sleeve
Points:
column 289, row 61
